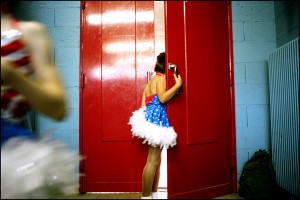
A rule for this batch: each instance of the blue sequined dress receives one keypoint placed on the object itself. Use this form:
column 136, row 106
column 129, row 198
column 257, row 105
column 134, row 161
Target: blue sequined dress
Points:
column 152, row 125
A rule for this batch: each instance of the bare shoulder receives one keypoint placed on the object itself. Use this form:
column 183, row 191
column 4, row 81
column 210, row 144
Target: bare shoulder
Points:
column 35, row 34
column 161, row 79
column 33, row 28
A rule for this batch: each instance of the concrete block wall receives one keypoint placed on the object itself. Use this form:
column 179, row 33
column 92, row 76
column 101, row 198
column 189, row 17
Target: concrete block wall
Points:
column 62, row 19
column 254, row 37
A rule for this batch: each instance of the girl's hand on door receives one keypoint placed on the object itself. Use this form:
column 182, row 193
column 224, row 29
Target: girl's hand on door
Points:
column 178, row 80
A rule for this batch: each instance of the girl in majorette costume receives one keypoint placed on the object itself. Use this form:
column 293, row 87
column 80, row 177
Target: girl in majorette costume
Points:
column 30, row 167
column 151, row 124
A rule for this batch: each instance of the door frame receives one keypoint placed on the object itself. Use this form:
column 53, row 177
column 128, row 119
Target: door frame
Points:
column 81, row 85
column 232, row 94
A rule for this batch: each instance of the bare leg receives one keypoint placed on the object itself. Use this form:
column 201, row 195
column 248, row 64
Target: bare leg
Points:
column 156, row 178
column 150, row 170
column 154, row 193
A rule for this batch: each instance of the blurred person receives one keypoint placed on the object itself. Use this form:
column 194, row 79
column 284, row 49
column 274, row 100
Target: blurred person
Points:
column 150, row 123
column 29, row 77
column 31, row 167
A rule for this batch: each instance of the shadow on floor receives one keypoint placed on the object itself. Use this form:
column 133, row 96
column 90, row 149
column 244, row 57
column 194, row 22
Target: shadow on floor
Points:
column 134, row 195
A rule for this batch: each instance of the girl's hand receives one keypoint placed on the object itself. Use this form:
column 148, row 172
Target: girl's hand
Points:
column 178, row 80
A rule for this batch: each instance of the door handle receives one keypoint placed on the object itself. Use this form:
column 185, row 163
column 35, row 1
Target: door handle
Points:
column 172, row 66
column 149, row 75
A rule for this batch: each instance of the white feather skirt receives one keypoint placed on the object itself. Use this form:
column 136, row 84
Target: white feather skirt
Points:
column 37, row 169
column 152, row 134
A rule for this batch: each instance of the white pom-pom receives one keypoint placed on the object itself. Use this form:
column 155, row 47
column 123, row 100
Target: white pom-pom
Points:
column 37, row 169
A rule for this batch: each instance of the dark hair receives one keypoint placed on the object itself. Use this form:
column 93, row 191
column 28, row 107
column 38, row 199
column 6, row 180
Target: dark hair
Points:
column 160, row 63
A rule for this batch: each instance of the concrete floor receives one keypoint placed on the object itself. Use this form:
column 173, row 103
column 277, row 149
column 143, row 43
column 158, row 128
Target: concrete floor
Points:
column 137, row 195
column 161, row 195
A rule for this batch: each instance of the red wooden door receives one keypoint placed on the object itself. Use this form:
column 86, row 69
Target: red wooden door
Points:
column 117, row 50
column 198, row 40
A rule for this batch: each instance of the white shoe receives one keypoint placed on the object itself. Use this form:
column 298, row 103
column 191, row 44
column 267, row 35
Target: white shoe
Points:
column 154, row 195
column 149, row 197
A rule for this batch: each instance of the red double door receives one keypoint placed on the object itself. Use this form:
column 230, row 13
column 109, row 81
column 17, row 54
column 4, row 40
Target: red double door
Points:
column 117, row 50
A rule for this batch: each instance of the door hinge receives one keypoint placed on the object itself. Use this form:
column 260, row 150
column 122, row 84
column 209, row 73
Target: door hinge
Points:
column 231, row 78
column 81, row 168
column 233, row 164
column 83, row 5
column 82, row 80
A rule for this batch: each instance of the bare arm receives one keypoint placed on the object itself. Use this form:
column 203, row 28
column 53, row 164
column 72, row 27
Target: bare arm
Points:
column 165, row 95
column 45, row 93
column 143, row 104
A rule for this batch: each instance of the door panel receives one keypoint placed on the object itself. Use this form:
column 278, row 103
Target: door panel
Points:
column 197, row 40
column 118, row 70
column 201, row 74
column 117, row 45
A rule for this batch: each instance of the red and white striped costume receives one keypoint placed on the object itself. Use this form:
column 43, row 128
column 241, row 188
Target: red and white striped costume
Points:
column 13, row 105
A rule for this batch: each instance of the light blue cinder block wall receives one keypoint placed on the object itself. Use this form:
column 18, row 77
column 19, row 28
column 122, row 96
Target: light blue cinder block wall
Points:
column 253, row 37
